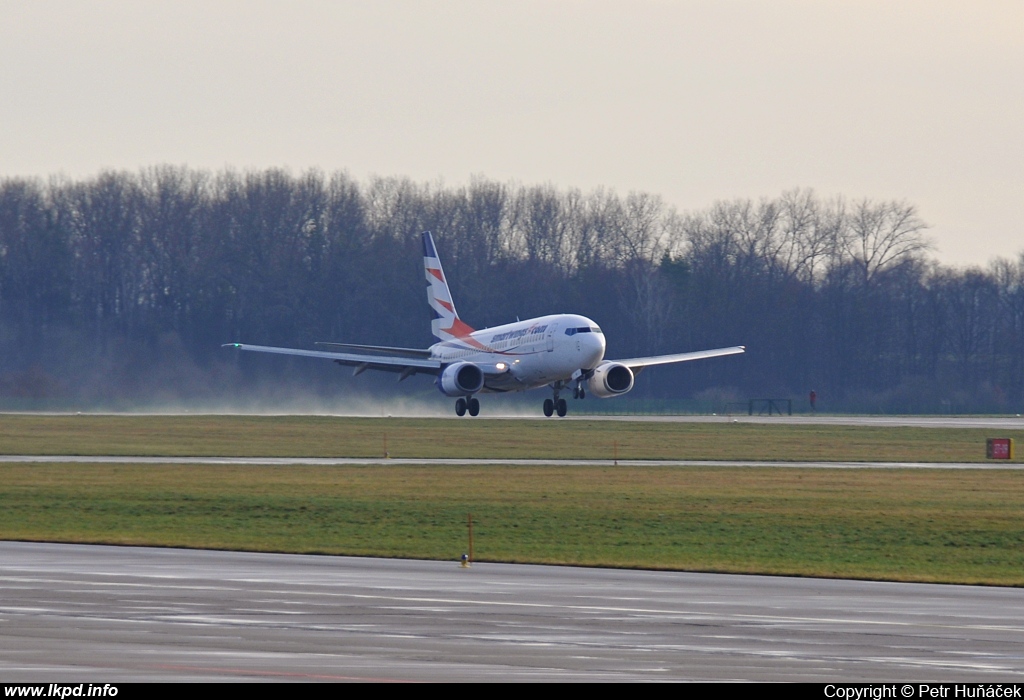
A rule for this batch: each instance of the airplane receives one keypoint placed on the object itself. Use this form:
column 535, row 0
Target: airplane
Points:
column 560, row 351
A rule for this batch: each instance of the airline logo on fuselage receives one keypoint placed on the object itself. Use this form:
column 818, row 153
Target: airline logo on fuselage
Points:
column 511, row 335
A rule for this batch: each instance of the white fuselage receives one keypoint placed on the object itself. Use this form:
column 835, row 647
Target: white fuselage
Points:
column 536, row 352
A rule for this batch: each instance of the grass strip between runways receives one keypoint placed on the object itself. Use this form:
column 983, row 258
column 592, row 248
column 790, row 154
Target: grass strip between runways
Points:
column 908, row 525
column 327, row 436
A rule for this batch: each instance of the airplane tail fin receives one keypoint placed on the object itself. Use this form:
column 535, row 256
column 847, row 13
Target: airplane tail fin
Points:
column 446, row 324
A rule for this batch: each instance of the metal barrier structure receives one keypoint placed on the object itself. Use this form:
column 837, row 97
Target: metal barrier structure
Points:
column 770, row 406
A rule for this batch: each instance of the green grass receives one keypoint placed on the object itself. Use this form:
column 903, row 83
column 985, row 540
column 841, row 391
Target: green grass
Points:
column 320, row 436
column 909, row 525
column 913, row 525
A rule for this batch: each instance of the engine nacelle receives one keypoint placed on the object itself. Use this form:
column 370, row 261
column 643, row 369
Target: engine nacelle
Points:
column 610, row 379
column 460, row 379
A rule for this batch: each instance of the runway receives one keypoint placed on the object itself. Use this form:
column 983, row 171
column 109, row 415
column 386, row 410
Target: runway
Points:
column 116, row 614
column 995, row 422
column 383, row 462
column 498, row 412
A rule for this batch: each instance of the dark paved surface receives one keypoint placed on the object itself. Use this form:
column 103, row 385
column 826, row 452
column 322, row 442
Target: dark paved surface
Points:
column 100, row 614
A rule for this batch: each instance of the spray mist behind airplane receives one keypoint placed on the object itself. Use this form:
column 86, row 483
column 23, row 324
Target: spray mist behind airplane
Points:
column 562, row 351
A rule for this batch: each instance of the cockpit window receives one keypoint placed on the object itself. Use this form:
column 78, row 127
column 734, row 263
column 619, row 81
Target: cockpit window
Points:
column 595, row 329
column 570, row 331
column 582, row 329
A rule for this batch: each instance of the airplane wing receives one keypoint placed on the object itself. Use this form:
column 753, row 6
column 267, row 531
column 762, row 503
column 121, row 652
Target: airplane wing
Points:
column 407, row 366
column 638, row 363
column 402, row 352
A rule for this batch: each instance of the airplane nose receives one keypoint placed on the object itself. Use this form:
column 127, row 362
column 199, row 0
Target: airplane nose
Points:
column 594, row 349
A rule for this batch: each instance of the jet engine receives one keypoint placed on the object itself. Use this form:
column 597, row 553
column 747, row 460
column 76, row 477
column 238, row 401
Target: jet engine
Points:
column 461, row 379
column 610, row 379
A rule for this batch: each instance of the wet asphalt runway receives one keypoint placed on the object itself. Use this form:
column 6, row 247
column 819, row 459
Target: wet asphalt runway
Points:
column 106, row 614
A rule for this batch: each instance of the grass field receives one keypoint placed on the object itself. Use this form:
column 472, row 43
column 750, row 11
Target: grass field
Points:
column 908, row 525
column 323, row 436
column 913, row 525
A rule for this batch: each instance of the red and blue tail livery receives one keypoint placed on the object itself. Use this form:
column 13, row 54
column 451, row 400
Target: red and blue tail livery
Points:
column 563, row 352
column 446, row 324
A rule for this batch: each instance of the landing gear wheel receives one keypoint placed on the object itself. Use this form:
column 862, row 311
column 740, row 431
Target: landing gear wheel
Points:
column 460, row 407
column 474, row 407
column 562, row 407
column 549, row 407
column 583, row 393
column 576, row 393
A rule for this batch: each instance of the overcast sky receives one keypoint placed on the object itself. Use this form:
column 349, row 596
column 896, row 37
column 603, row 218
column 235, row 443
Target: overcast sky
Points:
column 695, row 101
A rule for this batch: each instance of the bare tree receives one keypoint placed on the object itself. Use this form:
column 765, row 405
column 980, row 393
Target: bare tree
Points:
column 881, row 236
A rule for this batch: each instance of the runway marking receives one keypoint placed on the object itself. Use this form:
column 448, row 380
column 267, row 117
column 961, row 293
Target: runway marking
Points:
column 123, row 584
column 279, row 674
column 825, row 620
column 661, row 613
column 674, row 613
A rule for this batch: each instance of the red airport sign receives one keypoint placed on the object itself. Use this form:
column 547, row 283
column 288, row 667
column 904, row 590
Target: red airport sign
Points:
column 999, row 448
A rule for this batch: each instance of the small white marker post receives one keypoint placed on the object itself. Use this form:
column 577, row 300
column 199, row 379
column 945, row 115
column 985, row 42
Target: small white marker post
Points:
column 467, row 559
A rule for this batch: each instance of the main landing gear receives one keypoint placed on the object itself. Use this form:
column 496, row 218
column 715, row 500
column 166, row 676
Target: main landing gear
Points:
column 555, row 404
column 551, row 406
column 471, row 404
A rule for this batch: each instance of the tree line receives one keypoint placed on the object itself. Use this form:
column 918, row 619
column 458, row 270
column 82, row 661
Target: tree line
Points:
column 130, row 282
